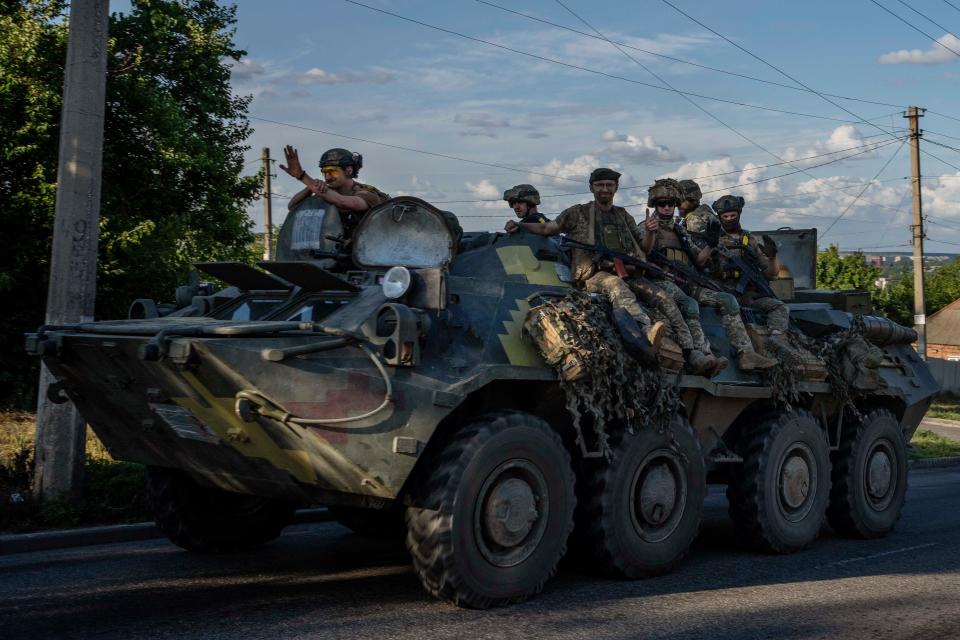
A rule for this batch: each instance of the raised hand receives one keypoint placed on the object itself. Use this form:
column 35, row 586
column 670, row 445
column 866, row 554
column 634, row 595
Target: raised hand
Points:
column 650, row 223
column 293, row 167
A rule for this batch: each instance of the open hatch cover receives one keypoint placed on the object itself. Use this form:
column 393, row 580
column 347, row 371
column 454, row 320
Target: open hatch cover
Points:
column 404, row 231
column 309, row 276
column 243, row 276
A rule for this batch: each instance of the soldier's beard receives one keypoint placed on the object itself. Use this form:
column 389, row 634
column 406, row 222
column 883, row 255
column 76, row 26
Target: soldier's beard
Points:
column 665, row 219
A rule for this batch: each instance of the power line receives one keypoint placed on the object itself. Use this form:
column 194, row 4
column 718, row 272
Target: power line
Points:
column 596, row 71
column 945, row 146
column 413, row 150
column 687, row 98
column 790, row 77
column 952, row 5
column 882, row 169
column 873, row 147
column 915, row 28
column 928, row 19
column 680, row 60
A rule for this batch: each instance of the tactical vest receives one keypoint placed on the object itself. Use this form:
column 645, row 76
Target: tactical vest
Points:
column 369, row 187
column 612, row 233
column 728, row 242
column 668, row 242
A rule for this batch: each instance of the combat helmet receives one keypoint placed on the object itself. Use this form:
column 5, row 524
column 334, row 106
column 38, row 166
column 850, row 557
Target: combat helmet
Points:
column 730, row 203
column 342, row 158
column 690, row 190
column 703, row 223
column 664, row 189
column 524, row 193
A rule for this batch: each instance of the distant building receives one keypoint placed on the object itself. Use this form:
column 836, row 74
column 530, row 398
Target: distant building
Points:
column 877, row 261
column 943, row 333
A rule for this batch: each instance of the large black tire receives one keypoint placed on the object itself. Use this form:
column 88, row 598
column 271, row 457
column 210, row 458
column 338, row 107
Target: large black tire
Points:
column 380, row 523
column 778, row 496
column 869, row 477
column 492, row 517
column 208, row 520
column 644, row 506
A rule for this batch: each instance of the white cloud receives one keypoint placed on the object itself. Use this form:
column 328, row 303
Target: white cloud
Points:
column 246, row 69
column 844, row 137
column 643, row 150
column 936, row 54
column 486, row 190
column 316, row 75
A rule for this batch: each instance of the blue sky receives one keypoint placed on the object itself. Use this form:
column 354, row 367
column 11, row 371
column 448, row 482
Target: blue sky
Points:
column 342, row 68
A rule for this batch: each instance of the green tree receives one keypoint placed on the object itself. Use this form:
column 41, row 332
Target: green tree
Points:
column 846, row 272
column 173, row 151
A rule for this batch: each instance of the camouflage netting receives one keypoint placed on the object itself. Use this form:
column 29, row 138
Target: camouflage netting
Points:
column 852, row 364
column 607, row 385
column 785, row 379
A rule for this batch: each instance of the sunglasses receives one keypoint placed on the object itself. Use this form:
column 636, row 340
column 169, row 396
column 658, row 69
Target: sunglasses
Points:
column 331, row 171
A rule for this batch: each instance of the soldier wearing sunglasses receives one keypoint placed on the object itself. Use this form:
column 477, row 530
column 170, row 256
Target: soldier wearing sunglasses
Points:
column 339, row 186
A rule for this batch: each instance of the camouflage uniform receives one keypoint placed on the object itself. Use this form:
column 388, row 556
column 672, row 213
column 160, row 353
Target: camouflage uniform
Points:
column 616, row 230
column 777, row 312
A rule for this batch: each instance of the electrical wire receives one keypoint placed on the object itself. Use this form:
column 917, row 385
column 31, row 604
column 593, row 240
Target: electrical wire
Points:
column 915, row 28
column 598, row 72
column 928, row 19
column 681, row 60
column 882, row 169
column 413, row 150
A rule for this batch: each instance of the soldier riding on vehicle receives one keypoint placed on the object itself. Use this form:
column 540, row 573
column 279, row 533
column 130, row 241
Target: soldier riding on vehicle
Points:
column 704, row 230
column 737, row 242
column 600, row 223
column 339, row 186
column 524, row 200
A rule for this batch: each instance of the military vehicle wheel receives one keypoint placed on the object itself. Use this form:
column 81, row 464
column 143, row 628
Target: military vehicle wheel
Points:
column 370, row 522
column 493, row 516
column 645, row 504
column 208, row 520
column 869, row 477
column 778, row 496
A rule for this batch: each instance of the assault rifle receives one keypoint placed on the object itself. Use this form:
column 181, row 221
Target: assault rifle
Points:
column 750, row 272
column 619, row 260
column 686, row 273
column 679, row 273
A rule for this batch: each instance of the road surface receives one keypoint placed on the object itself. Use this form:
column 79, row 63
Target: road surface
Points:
column 320, row 581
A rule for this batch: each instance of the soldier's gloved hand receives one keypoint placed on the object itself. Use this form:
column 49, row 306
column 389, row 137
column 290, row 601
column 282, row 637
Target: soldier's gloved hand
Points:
column 769, row 247
column 511, row 226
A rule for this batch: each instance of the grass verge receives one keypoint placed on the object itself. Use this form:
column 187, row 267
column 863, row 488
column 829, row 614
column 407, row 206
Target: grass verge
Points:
column 946, row 406
column 113, row 491
column 927, row 444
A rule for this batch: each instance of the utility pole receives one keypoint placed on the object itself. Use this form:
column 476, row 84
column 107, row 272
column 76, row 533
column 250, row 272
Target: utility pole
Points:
column 61, row 432
column 267, row 207
column 914, row 114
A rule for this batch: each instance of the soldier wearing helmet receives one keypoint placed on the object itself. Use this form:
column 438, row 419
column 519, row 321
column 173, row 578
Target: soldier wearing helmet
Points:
column 671, row 240
column 735, row 239
column 662, row 234
column 600, row 223
column 524, row 200
column 339, row 185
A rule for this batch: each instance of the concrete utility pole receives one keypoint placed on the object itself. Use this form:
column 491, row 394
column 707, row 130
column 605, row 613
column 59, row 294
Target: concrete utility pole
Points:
column 267, row 207
column 914, row 114
column 60, row 436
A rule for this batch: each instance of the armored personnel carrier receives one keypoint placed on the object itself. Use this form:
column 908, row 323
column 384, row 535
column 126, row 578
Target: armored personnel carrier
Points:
column 391, row 375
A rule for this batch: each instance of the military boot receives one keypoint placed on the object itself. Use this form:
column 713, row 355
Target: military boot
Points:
column 699, row 363
column 747, row 357
column 750, row 360
column 656, row 333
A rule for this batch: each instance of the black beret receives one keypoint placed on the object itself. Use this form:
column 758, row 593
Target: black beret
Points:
column 603, row 173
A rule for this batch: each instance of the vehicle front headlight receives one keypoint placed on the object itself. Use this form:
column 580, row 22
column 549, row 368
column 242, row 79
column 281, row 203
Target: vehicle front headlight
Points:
column 396, row 282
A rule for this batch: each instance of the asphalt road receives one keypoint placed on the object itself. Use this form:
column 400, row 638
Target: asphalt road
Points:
column 320, row 581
